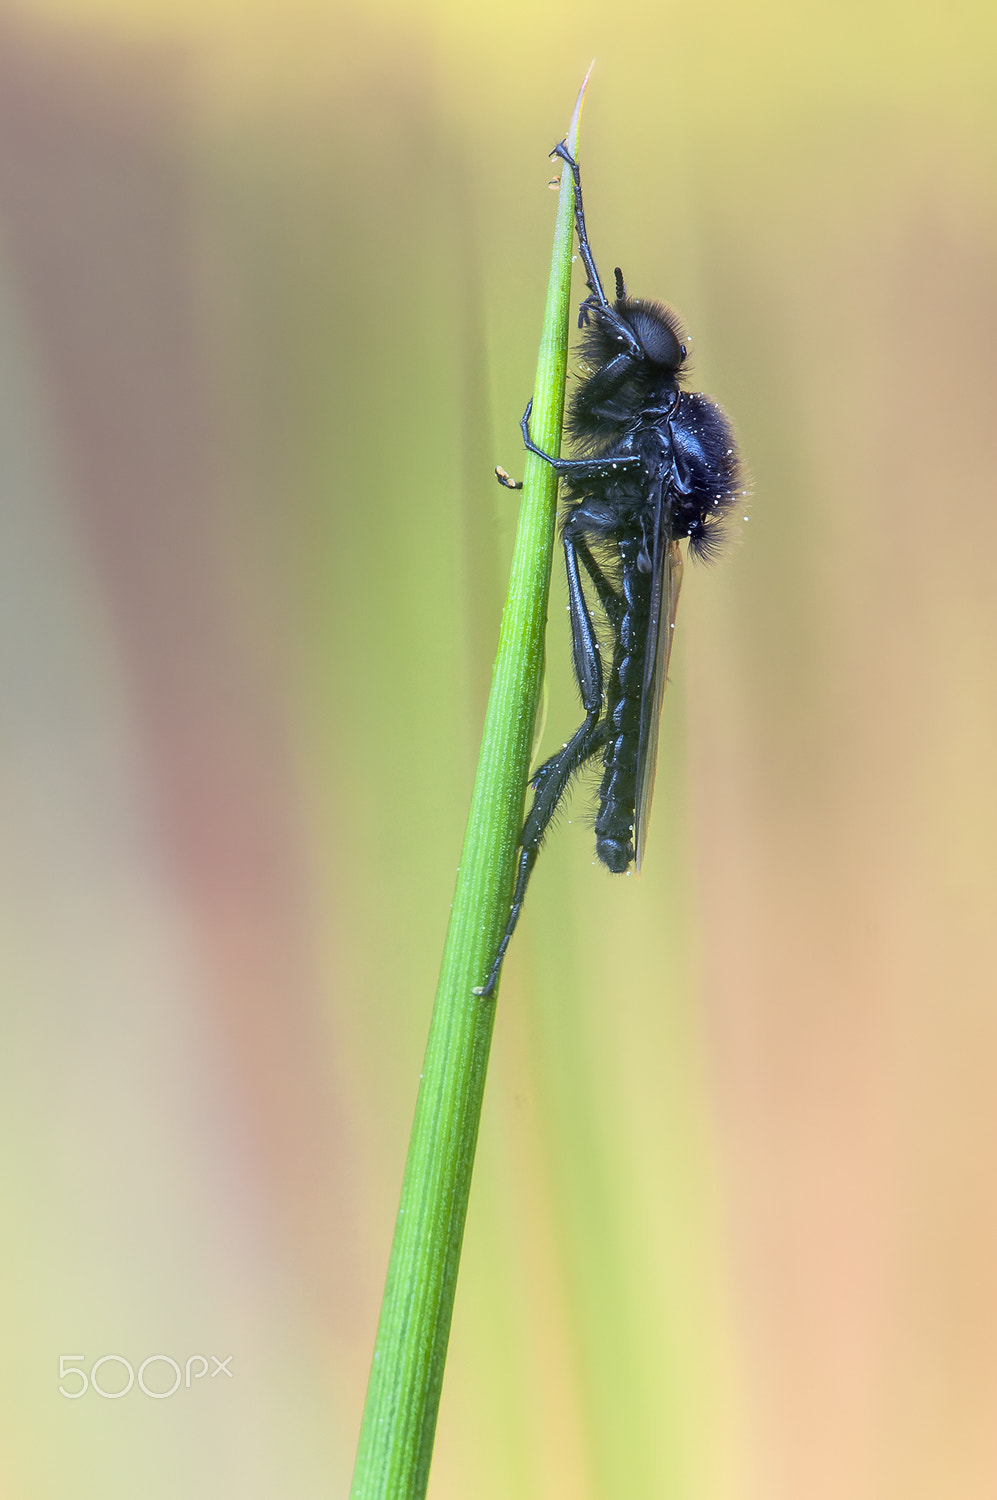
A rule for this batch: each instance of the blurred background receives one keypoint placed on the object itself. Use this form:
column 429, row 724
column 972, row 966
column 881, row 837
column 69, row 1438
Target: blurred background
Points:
column 271, row 281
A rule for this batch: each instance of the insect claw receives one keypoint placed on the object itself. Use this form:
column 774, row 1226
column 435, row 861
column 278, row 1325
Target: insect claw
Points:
column 506, row 479
column 561, row 150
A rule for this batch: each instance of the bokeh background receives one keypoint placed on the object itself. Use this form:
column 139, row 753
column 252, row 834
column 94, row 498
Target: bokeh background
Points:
column 271, row 279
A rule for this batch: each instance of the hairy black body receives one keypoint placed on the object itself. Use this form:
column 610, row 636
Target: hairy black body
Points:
column 655, row 466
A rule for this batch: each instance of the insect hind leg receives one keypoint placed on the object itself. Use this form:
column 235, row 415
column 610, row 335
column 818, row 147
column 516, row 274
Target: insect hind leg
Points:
column 549, row 785
column 612, row 604
column 550, row 782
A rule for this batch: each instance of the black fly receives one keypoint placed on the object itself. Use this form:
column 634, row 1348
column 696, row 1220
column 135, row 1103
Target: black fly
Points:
column 657, row 465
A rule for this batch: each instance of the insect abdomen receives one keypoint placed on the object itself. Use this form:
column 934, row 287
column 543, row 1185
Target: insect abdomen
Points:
column 705, row 446
column 614, row 825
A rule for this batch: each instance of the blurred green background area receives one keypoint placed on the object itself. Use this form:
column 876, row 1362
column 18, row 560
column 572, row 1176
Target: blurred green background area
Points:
column 271, row 280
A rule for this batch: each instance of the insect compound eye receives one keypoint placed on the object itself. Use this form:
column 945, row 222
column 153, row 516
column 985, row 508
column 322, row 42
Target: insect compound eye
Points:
column 657, row 340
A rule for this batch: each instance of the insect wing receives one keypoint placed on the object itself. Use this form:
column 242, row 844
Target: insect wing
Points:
column 666, row 581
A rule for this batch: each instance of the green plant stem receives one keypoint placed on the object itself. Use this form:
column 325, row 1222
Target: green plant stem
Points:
column 403, row 1394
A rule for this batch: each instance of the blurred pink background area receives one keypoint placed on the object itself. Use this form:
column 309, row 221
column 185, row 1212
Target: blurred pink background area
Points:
column 271, row 280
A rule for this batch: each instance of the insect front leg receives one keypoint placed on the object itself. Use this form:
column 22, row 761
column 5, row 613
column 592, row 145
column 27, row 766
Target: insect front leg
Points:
column 551, row 781
column 595, row 397
column 597, row 301
column 598, row 298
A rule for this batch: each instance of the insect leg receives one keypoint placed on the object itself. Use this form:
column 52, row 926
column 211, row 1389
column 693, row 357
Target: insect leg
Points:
column 595, row 397
column 598, row 297
column 597, row 301
column 550, row 782
column 584, row 643
column 608, row 597
column 577, row 468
